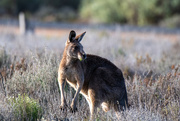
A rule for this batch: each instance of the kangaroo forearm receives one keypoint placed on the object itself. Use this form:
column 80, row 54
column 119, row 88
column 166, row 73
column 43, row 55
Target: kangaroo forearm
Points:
column 73, row 104
column 62, row 85
column 76, row 95
column 62, row 94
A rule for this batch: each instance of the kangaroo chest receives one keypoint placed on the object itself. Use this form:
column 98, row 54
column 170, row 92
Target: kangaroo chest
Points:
column 70, row 76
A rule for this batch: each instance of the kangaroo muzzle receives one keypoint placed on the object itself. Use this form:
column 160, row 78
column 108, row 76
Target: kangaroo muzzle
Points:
column 82, row 56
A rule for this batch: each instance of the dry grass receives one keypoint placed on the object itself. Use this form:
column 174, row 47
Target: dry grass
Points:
column 151, row 69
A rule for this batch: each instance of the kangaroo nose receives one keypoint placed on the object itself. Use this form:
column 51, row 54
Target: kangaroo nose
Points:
column 84, row 56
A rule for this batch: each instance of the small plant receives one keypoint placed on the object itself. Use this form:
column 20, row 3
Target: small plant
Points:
column 26, row 108
column 4, row 57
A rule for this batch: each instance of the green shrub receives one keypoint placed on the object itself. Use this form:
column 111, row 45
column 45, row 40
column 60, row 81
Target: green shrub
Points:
column 102, row 11
column 26, row 108
column 172, row 22
column 139, row 12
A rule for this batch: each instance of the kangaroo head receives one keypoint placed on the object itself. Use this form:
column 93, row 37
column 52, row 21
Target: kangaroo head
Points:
column 74, row 49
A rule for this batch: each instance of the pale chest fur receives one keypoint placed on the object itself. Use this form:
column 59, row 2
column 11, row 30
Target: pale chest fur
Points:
column 73, row 73
column 69, row 74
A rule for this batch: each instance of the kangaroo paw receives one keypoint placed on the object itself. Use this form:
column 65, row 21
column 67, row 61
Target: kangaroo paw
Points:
column 63, row 107
column 73, row 109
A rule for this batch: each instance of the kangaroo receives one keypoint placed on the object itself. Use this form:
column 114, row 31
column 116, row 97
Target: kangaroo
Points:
column 96, row 78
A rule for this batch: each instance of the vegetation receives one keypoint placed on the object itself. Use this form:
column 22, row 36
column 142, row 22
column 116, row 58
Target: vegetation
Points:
column 25, row 108
column 136, row 12
column 151, row 69
column 14, row 7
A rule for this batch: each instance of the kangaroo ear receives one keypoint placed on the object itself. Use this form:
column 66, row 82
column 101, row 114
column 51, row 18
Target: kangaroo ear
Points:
column 72, row 35
column 79, row 37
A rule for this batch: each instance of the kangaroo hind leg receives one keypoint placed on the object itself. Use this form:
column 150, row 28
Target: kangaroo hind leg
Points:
column 92, row 103
column 105, row 106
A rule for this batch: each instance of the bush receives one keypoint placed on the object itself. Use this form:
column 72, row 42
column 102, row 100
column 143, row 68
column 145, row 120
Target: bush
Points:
column 102, row 11
column 52, row 14
column 172, row 22
column 140, row 12
column 26, row 108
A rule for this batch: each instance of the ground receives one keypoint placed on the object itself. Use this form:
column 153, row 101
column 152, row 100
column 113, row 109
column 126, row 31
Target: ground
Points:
column 149, row 60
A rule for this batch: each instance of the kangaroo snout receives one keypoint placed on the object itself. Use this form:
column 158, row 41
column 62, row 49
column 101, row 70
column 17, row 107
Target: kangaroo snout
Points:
column 82, row 56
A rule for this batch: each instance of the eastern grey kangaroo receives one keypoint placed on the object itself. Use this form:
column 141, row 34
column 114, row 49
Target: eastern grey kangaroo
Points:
column 96, row 78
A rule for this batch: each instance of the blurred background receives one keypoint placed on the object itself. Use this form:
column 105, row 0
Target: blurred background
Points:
column 133, row 12
column 40, row 16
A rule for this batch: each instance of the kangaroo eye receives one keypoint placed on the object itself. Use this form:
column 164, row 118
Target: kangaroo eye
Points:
column 76, row 47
